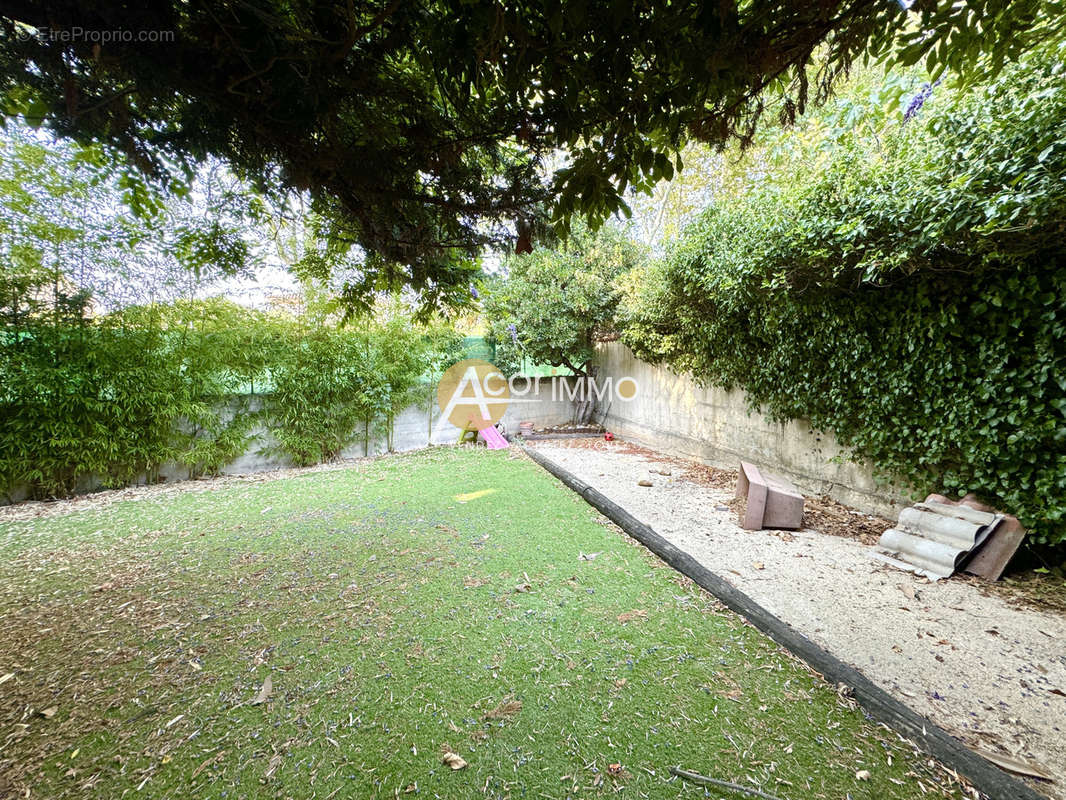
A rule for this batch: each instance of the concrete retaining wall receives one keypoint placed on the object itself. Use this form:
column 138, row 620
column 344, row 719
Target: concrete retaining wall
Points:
column 672, row 414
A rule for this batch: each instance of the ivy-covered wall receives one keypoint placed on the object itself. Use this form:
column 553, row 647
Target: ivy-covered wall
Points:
column 898, row 279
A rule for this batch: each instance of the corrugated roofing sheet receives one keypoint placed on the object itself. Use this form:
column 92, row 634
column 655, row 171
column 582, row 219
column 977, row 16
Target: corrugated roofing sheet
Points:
column 934, row 539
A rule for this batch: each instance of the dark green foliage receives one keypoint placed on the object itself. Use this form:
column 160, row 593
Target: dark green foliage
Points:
column 334, row 385
column 114, row 398
column 420, row 128
column 955, row 383
column 902, row 285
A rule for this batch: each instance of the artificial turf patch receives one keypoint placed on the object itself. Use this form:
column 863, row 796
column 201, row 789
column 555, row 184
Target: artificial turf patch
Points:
column 450, row 623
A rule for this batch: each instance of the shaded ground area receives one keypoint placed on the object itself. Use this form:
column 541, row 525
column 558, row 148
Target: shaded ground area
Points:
column 987, row 664
column 343, row 633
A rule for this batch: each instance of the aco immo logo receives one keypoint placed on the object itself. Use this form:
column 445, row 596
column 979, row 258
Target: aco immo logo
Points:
column 473, row 394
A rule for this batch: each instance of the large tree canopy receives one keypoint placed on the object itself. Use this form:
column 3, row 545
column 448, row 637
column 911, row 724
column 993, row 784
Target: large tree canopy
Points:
column 421, row 127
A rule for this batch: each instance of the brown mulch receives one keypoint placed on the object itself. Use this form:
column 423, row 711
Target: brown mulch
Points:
column 689, row 470
column 836, row 519
column 1027, row 589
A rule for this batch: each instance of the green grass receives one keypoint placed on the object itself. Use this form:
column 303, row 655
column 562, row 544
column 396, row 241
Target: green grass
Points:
column 392, row 616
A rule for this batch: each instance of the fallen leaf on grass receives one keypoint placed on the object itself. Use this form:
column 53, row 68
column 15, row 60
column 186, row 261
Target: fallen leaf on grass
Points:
column 508, row 707
column 451, row 759
column 587, row 556
column 522, row 588
column 104, row 587
column 862, row 775
column 49, row 712
column 629, row 616
column 264, row 692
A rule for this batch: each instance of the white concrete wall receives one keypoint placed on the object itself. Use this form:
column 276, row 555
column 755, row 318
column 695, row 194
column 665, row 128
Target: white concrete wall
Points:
column 673, row 414
column 411, row 430
column 670, row 413
column 544, row 402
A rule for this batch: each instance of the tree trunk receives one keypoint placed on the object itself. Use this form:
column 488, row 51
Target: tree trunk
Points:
column 587, row 406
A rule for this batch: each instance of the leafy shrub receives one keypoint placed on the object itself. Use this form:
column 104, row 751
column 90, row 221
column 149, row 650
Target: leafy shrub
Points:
column 115, row 397
column 326, row 389
column 556, row 303
column 103, row 380
column 112, row 398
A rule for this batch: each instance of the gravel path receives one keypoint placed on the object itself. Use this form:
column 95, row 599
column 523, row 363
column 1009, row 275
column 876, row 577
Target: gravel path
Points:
column 991, row 674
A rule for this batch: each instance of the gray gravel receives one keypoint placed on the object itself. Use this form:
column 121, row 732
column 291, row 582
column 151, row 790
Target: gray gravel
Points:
column 978, row 667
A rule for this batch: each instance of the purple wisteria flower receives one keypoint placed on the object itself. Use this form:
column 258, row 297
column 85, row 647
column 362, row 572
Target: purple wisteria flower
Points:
column 474, row 292
column 513, row 330
column 916, row 103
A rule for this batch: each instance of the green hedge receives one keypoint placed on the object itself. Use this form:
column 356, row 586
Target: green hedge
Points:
column 115, row 397
column 901, row 283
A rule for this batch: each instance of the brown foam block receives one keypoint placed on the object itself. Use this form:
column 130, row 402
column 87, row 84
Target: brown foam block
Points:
column 773, row 502
column 998, row 549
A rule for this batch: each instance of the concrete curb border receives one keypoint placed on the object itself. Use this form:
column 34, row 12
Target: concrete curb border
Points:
column 879, row 704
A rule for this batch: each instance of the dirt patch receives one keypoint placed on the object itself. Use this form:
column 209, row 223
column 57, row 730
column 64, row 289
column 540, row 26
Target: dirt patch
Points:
column 1026, row 590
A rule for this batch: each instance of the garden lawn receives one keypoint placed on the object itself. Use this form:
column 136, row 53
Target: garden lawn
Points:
column 333, row 634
